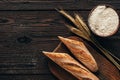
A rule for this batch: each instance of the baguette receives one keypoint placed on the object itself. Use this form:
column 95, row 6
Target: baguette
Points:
column 80, row 51
column 65, row 61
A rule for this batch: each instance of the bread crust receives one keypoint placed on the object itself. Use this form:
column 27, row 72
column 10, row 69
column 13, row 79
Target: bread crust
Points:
column 68, row 63
column 79, row 50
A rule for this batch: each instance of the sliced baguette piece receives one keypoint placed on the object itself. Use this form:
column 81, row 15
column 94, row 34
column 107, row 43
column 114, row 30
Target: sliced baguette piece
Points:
column 66, row 62
column 80, row 51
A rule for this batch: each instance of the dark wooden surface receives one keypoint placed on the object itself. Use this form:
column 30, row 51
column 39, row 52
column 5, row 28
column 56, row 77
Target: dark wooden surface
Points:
column 28, row 27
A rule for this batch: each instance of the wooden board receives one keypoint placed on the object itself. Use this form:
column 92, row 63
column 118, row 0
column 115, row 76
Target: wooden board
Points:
column 107, row 71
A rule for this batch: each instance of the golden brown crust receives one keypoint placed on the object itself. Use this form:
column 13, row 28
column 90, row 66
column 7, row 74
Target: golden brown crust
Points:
column 80, row 51
column 65, row 61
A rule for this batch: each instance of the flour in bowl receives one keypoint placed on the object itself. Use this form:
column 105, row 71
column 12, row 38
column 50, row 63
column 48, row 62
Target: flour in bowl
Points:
column 103, row 21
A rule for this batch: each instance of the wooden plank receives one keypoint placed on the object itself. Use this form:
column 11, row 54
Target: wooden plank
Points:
column 36, row 0
column 27, row 77
column 37, row 4
column 52, row 4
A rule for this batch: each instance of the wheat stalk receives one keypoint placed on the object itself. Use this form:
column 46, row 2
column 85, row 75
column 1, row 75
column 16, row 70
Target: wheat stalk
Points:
column 83, row 31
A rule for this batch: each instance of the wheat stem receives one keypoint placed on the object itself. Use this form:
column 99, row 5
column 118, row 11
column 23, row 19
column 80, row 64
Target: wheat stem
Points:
column 84, row 32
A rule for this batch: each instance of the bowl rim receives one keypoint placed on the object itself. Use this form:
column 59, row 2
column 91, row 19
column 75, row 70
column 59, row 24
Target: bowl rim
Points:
column 107, row 5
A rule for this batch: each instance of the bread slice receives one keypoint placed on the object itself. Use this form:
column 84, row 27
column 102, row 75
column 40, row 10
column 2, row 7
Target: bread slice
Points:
column 65, row 61
column 80, row 51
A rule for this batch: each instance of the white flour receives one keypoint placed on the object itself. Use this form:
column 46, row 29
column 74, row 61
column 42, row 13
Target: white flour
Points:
column 103, row 21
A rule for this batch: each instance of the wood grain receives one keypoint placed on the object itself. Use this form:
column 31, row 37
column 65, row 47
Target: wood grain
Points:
column 23, row 35
column 52, row 4
column 27, row 77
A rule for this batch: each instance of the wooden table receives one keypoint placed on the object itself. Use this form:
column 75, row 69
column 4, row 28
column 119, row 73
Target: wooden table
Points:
column 28, row 27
